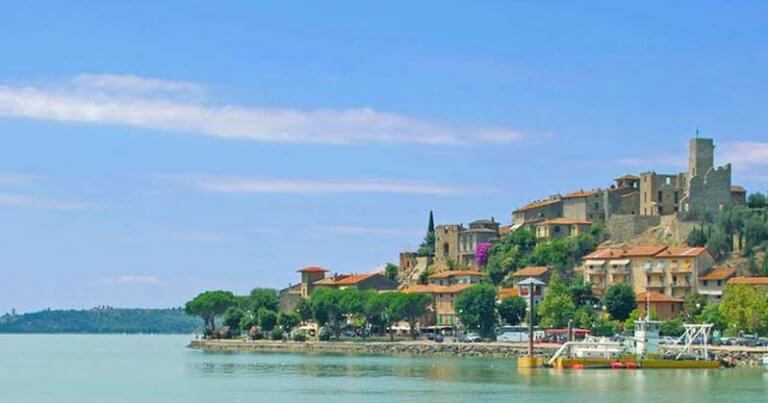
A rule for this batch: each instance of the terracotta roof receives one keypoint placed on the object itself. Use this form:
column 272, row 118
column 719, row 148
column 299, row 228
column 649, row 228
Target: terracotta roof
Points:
column 605, row 253
column 643, row 250
column 505, row 229
column 749, row 280
column 581, row 193
column 436, row 289
column 682, row 252
column 345, row 279
column 737, row 189
column 565, row 221
column 537, row 204
column 655, row 297
column 508, row 293
column 533, row 271
column 719, row 273
column 312, row 269
column 454, row 273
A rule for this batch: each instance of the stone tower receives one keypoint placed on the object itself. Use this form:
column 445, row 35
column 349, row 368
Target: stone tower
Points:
column 701, row 156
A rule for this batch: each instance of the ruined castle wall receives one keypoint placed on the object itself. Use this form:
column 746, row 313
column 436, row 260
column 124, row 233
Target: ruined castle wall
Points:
column 708, row 193
column 625, row 227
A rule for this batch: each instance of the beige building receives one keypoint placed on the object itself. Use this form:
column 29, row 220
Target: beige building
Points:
column 660, row 194
column 585, row 205
column 541, row 273
column 738, row 196
column 456, row 277
column 559, row 228
column 362, row 282
column 441, row 310
column 538, row 211
column 712, row 283
column 665, row 306
column 670, row 271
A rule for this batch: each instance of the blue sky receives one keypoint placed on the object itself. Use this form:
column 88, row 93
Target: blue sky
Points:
column 151, row 151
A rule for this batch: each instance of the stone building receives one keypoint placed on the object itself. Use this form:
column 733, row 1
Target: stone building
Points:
column 362, row 282
column 541, row 273
column 665, row 306
column 537, row 211
column 456, row 277
column 559, row 228
column 660, row 194
column 441, row 310
column 585, row 205
column 455, row 245
column 738, row 196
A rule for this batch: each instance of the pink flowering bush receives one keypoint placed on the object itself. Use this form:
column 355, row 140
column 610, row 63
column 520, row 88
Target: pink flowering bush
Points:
column 481, row 253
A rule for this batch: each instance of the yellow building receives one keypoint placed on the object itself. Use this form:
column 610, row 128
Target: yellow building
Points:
column 441, row 310
column 669, row 271
column 559, row 228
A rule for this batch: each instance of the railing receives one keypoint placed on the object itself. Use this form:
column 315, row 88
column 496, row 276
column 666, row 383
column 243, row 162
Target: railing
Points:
column 655, row 284
column 594, row 270
column 618, row 269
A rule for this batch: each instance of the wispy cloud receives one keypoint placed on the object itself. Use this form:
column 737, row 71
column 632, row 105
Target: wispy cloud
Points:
column 145, row 102
column 133, row 279
column 743, row 154
column 224, row 184
column 22, row 201
column 368, row 230
column 16, row 178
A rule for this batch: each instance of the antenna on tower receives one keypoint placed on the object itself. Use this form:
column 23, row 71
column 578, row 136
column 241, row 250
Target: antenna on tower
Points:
column 697, row 132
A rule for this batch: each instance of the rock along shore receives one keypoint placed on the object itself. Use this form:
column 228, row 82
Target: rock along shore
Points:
column 739, row 356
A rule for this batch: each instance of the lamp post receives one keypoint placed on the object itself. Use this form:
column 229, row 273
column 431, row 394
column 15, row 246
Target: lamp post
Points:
column 530, row 283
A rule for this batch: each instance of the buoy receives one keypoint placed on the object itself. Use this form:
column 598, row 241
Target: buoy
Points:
column 617, row 365
column 631, row 365
column 577, row 366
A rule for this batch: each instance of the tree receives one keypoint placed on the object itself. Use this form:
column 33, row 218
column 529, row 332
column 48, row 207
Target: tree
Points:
column 603, row 328
column 697, row 237
column 712, row 314
column 672, row 327
column 477, row 308
column 232, row 317
column 427, row 247
column 619, row 301
column 765, row 265
column 756, row 200
column 745, row 308
column 374, row 309
column 327, row 308
column 557, row 307
column 389, row 310
column 288, row 320
column 304, row 309
column 719, row 244
column 554, row 254
column 267, row 319
column 390, row 271
column 512, row 310
column 209, row 304
column 509, row 253
column 263, row 298
column 693, row 305
column 411, row 307
column 581, row 292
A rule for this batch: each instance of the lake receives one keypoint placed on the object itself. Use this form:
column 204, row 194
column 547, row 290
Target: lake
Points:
column 147, row 369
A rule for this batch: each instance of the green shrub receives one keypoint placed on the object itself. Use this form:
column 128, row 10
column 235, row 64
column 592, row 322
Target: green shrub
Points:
column 300, row 336
column 276, row 334
column 324, row 334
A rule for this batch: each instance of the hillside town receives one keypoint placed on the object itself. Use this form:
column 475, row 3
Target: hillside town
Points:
column 685, row 247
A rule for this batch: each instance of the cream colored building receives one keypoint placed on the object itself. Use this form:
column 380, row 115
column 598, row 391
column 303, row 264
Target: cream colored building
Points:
column 670, row 271
column 559, row 228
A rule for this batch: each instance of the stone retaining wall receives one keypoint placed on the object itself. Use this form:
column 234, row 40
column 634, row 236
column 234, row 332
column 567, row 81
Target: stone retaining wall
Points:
column 740, row 356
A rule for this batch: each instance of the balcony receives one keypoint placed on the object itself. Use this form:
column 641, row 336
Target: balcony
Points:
column 681, row 284
column 618, row 269
column 594, row 270
column 655, row 284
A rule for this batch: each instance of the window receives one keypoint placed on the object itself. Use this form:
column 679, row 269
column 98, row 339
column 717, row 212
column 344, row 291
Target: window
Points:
column 660, row 196
column 704, row 283
column 597, row 206
column 668, row 180
column 557, row 229
column 676, row 196
column 719, row 283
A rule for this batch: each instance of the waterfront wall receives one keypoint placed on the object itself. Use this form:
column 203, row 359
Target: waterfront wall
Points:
column 493, row 350
column 739, row 356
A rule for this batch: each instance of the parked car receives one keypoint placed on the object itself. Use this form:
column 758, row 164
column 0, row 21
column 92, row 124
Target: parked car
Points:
column 470, row 338
column 667, row 340
column 748, row 340
column 438, row 338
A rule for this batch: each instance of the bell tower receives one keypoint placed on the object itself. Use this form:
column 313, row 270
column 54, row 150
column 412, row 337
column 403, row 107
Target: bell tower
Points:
column 701, row 156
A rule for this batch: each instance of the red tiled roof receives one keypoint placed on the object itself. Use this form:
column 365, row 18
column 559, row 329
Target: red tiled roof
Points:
column 533, row 271
column 737, row 189
column 719, row 273
column 345, row 279
column 504, row 230
column 436, row 289
column 508, row 293
column 455, row 273
column 749, row 280
column 655, row 297
column 628, row 176
column 537, row 204
column 682, row 252
column 644, row 250
column 565, row 221
column 312, row 269
column 605, row 253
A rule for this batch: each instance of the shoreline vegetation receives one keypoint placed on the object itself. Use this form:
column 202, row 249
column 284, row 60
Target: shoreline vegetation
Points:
column 737, row 355
column 100, row 320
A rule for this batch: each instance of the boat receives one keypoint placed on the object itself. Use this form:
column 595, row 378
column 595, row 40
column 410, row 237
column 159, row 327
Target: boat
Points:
column 765, row 361
column 641, row 350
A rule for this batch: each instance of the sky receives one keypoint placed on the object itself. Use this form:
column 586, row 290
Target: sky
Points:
column 153, row 150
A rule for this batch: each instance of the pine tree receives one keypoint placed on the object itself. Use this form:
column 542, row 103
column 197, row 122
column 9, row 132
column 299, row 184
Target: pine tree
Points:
column 427, row 248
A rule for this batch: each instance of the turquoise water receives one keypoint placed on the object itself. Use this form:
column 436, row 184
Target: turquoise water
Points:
column 147, row 369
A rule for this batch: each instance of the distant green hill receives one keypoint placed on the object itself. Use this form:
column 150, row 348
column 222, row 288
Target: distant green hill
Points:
column 101, row 320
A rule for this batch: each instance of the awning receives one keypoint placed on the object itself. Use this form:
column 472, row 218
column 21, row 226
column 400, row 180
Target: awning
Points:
column 619, row 262
column 594, row 262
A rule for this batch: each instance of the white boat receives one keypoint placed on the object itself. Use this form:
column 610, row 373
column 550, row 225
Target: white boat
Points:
column 593, row 347
column 765, row 361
